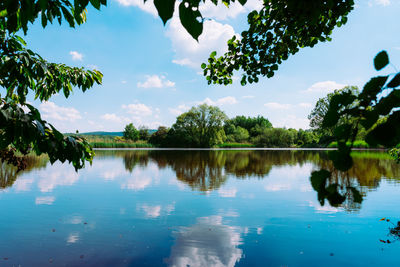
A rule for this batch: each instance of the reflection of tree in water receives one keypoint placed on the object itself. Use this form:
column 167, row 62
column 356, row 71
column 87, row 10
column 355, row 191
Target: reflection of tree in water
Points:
column 201, row 170
column 208, row 170
column 139, row 158
column 347, row 189
column 10, row 173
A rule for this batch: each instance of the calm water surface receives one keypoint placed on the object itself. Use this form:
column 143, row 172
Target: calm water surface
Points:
column 199, row 208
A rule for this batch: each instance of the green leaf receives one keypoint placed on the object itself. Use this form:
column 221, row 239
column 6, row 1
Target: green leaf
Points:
column 190, row 19
column 165, row 9
column 242, row 2
column 203, row 65
column 95, row 3
column 371, row 89
column 381, row 60
column 395, row 81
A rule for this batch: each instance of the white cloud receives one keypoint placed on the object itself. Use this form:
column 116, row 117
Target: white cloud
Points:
column 291, row 121
column 324, row 87
column 45, row 200
column 155, row 81
column 274, row 105
column 147, row 7
column 189, row 52
column 228, row 100
column 114, row 118
column 305, row 105
column 179, row 110
column 51, row 111
column 76, row 55
column 379, row 2
column 138, row 109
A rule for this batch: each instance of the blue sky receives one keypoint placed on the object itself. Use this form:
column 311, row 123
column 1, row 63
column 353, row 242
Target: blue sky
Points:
column 152, row 73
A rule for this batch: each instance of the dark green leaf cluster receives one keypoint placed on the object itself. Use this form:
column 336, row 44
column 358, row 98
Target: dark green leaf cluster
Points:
column 17, row 14
column 376, row 108
column 275, row 32
column 27, row 132
column 189, row 14
column 23, row 71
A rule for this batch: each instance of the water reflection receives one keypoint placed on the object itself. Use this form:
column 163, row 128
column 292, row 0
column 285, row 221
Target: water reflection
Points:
column 209, row 242
column 206, row 171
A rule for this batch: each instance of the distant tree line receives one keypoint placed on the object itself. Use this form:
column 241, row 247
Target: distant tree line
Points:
column 208, row 126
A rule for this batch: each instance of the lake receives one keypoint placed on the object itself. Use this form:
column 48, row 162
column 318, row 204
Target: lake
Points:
column 201, row 208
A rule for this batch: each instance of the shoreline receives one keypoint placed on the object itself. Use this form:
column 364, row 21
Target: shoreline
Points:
column 239, row 148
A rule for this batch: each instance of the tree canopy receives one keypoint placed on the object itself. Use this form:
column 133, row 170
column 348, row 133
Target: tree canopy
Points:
column 22, row 70
column 201, row 126
column 130, row 132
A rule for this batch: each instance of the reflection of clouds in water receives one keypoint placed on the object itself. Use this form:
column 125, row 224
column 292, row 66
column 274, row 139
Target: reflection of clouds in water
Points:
column 110, row 175
column 23, row 184
column 229, row 213
column 323, row 209
column 154, row 211
column 141, row 178
column 227, row 192
column 138, row 180
column 259, row 230
column 60, row 175
column 289, row 178
column 45, row 200
column 207, row 243
column 74, row 219
column 73, row 238
column 174, row 181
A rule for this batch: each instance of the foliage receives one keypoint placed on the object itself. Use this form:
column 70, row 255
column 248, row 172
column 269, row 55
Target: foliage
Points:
column 275, row 32
column 201, row 126
column 130, row 132
column 120, row 145
column 144, row 133
column 318, row 113
column 235, row 145
column 356, row 144
column 375, row 108
column 22, row 70
column 306, row 138
column 160, row 137
column 248, row 123
column 395, row 153
column 275, row 137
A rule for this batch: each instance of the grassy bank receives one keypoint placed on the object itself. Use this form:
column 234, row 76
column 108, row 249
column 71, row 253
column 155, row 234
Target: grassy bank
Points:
column 109, row 141
column 357, row 144
column 235, row 145
column 120, row 145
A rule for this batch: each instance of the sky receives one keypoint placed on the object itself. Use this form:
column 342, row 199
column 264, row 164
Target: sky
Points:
column 152, row 72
